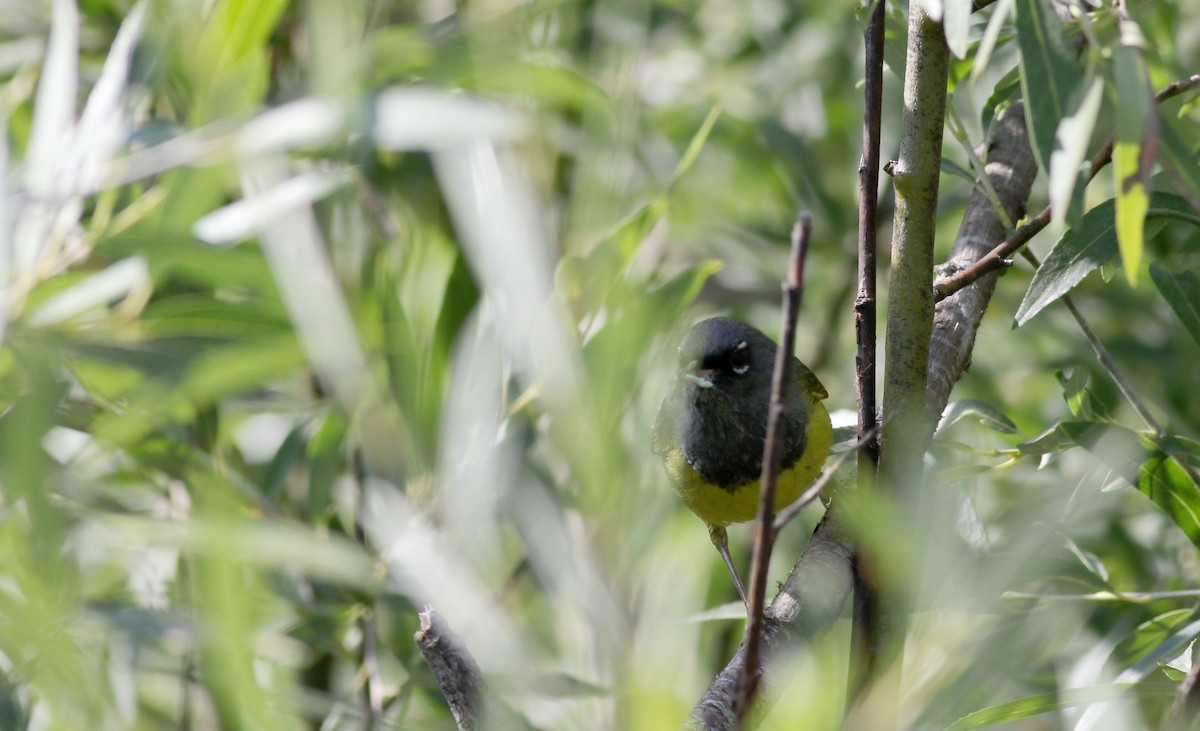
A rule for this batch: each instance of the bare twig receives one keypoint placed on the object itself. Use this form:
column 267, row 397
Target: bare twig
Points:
column 764, row 533
column 864, row 635
column 998, row 257
column 818, row 486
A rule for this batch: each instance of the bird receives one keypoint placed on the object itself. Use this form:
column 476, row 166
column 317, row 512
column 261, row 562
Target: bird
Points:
column 712, row 426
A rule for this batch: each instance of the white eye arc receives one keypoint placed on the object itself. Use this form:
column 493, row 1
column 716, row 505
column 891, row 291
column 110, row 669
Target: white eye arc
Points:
column 739, row 349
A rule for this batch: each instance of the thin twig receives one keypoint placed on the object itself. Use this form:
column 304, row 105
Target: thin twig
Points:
column 813, row 491
column 864, row 633
column 998, row 257
column 764, row 534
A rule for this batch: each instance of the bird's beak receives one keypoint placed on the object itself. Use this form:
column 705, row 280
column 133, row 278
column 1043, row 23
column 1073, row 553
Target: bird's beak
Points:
column 697, row 375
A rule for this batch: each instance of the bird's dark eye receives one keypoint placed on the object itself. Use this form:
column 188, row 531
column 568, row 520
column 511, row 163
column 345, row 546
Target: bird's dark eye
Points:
column 739, row 359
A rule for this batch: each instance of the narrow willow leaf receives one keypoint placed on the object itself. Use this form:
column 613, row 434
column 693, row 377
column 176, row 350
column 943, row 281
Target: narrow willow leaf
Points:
column 957, row 24
column 1037, row 704
column 118, row 280
column 1169, row 487
column 1136, row 146
column 988, row 415
column 1000, row 13
column 1074, row 133
column 1085, row 247
column 1181, row 291
column 1049, row 73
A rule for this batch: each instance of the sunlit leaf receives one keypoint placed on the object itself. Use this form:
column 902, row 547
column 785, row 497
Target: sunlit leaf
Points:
column 1166, row 483
column 1136, row 146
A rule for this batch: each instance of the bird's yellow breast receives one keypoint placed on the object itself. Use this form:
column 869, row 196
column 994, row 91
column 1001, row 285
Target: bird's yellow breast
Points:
column 720, row 507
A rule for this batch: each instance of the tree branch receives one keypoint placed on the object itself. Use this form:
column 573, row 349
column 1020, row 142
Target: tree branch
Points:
column 782, row 377
column 910, row 289
column 864, row 637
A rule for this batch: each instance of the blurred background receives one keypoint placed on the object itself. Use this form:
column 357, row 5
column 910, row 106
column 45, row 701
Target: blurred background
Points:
column 317, row 313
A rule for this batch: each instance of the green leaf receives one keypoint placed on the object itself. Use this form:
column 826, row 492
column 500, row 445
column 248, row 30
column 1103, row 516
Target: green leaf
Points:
column 1182, row 291
column 988, row 415
column 1036, row 704
column 1050, row 73
column 1085, row 247
column 1170, row 488
column 1075, row 391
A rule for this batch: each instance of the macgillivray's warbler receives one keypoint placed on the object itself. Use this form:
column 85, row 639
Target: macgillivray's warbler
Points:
column 711, row 428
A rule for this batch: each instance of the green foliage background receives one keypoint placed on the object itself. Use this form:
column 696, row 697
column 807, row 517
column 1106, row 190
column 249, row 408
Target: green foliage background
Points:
column 319, row 312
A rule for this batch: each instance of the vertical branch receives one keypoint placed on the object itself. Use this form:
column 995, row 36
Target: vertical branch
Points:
column 864, row 635
column 782, row 377
column 910, row 305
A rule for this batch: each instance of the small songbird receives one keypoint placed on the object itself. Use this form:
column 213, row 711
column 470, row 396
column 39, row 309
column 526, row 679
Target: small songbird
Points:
column 712, row 426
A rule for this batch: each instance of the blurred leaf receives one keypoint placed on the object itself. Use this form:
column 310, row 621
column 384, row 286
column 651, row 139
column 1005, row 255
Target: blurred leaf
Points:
column 1180, row 158
column 1120, row 449
column 1037, row 704
column 326, row 455
column 221, row 371
column 956, row 20
column 125, row 278
column 1004, row 94
column 1051, row 441
column 1136, row 145
column 1085, row 247
column 1001, row 10
column 1050, row 73
column 587, row 282
column 988, row 415
column 1182, row 291
column 1165, row 483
